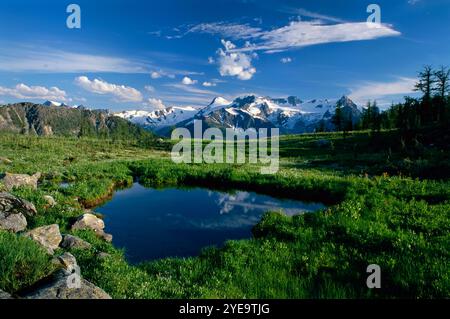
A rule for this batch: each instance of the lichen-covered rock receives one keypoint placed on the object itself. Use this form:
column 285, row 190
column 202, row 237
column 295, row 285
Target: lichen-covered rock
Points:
column 89, row 221
column 10, row 204
column 48, row 237
column 70, row 241
column 10, row 181
column 13, row 222
column 67, row 283
column 68, row 262
column 13, row 212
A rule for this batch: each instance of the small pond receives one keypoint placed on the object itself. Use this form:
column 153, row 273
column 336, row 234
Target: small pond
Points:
column 178, row 222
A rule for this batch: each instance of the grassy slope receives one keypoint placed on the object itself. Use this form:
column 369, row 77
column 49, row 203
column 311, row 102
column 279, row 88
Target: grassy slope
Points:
column 402, row 224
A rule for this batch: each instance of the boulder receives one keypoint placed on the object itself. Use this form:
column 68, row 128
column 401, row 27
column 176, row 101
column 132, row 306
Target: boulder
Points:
column 68, row 262
column 105, row 236
column 13, row 212
column 89, row 221
column 18, row 180
column 70, row 241
column 67, row 283
column 59, row 288
column 5, row 295
column 13, row 222
column 48, row 237
column 10, row 204
column 50, row 200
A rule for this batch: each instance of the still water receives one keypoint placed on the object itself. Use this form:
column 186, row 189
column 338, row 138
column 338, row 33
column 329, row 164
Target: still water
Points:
column 156, row 223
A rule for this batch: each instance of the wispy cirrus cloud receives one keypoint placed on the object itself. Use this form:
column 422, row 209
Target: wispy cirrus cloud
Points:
column 38, row 59
column 226, row 29
column 23, row 91
column 300, row 34
column 310, row 14
column 383, row 92
column 120, row 92
column 297, row 34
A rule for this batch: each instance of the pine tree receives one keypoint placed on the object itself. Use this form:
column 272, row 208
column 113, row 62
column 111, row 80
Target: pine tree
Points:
column 442, row 79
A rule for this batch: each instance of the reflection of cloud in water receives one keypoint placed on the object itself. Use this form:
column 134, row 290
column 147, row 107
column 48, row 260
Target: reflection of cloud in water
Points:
column 243, row 209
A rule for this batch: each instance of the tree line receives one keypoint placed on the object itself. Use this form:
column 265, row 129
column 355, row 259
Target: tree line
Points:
column 432, row 108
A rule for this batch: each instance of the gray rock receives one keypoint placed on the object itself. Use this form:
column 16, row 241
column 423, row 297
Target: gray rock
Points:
column 59, row 289
column 50, row 200
column 18, row 180
column 13, row 222
column 67, row 283
column 13, row 212
column 5, row 295
column 48, row 237
column 89, row 221
column 68, row 261
column 10, row 204
column 70, row 241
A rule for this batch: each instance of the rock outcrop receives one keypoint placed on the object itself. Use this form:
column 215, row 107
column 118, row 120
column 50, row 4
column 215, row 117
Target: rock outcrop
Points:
column 13, row 205
column 48, row 237
column 67, row 283
column 70, row 241
column 13, row 212
column 18, row 180
column 92, row 222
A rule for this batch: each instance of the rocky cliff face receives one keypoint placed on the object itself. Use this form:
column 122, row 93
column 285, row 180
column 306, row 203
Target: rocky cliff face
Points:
column 38, row 119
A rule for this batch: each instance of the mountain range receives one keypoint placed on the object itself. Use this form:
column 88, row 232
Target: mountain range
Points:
column 291, row 115
column 58, row 119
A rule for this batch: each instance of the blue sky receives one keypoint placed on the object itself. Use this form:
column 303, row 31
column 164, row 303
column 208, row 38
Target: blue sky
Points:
column 148, row 54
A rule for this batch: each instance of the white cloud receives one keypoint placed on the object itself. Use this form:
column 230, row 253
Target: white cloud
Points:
column 37, row 59
column 235, row 63
column 191, row 89
column 211, row 60
column 309, row 14
column 149, row 88
column 297, row 34
column 286, row 60
column 155, row 75
column 188, row 81
column 120, row 92
column 209, row 84
column 382, row 91
column 23, row 91
column 155, row 103
column 228, row 30
column 306, row 33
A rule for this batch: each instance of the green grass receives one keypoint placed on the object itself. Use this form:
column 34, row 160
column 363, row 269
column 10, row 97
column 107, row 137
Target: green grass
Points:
column 23, row 262
column 399, row 222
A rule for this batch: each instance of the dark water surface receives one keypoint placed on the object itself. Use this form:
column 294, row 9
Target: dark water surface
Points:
column 157, row 223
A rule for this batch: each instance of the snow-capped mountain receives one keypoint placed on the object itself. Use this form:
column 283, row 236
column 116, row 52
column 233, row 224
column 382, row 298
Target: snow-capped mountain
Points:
column 60, row 104
column 159, row 119
column 290, row 115
column 53, row 103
